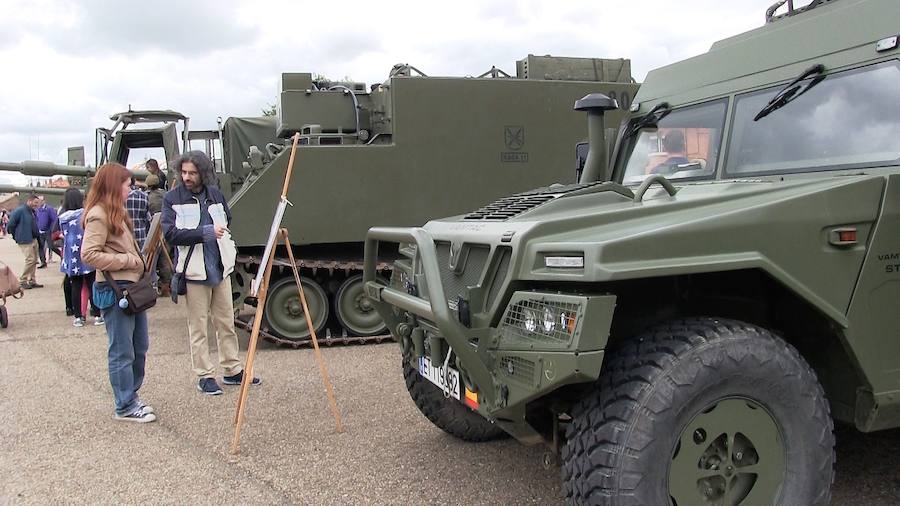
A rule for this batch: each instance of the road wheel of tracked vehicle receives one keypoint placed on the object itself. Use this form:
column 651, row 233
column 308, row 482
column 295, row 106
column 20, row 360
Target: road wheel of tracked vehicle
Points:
column 355, row 311
column 701, row 411
column 448, row 414
column 284, row 311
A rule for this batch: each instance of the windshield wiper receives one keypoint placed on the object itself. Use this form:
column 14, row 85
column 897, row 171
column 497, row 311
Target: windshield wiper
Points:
column 650, row 119
column 803, row 83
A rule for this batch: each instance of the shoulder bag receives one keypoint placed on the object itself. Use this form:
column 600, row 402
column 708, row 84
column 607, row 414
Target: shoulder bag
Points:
column 139, row 296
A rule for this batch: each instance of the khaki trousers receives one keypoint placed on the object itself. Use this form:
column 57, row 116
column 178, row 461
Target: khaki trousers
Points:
column 30, row 252
column 205, row 302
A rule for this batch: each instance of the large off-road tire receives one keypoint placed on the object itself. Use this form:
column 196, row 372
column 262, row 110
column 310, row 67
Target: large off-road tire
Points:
column 448, row 414
column 701, row 411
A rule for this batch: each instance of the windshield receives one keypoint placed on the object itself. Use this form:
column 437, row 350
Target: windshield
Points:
column 685, row 143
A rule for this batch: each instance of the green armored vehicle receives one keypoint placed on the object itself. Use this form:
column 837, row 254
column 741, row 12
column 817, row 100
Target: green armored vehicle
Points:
column 404, row 151
column 688, row 332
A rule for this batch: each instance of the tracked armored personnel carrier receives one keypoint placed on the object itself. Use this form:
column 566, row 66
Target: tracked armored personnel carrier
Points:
column 409, row 149
column 688, row 333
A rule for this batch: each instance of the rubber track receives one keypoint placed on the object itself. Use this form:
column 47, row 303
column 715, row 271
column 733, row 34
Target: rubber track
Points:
column 598, row 439
column 246, row 323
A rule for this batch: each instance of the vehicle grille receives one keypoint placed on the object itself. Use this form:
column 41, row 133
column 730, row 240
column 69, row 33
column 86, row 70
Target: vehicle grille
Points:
column 517, row 368
column 500, row 276
column 455, row 283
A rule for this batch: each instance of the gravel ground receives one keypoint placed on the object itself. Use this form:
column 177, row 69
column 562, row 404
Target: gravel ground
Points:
column 60, row 444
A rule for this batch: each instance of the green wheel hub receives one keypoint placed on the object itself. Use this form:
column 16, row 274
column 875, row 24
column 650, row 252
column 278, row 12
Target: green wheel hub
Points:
column 730, row 453
column 355, row 311
column 284, row 310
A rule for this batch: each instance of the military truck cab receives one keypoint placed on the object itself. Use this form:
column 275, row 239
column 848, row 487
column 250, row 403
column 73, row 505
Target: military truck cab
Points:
column 688, row 331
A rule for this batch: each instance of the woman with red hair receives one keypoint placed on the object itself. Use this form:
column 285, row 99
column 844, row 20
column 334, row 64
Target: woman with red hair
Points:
column 109, row 247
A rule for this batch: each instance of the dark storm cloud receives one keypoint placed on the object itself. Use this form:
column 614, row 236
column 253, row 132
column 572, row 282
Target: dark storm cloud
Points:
column 185, row 28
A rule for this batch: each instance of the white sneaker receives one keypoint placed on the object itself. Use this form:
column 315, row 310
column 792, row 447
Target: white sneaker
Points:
column 78, row 322
column 98, row 320
column 139, row 416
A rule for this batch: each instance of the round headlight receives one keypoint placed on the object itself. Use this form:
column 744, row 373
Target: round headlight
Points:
column 530, row 321
column 549, row 322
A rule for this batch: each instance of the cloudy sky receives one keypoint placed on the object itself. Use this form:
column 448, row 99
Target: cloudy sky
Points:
column 66, row 66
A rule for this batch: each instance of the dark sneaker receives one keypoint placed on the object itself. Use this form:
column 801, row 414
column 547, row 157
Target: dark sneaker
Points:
column 238, row 378
column 209, row 386
column 42, row 266
column 36, row 285
column 138, row 416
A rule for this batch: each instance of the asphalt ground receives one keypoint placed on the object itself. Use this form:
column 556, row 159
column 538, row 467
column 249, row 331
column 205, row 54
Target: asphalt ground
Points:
column 59, row 443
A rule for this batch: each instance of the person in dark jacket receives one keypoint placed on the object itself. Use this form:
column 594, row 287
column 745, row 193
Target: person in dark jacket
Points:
column 195, row 219
column 23, row 227
column 152, row 167
column 46, row 219
column 155, row 194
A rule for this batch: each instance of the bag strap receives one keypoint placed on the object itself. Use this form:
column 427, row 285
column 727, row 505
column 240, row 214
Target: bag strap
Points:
column 188, row 258
column 112, row 283
column 138, row 248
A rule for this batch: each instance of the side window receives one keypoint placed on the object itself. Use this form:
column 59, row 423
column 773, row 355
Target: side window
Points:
column 851, row 119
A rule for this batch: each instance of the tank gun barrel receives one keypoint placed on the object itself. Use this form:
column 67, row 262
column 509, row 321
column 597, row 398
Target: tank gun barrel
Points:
column 49, row 169
column 46, row 169
column 26, row 190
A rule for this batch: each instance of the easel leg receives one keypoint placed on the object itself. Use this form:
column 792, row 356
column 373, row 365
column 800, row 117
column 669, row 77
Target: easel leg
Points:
column 251, row 354
column 312, row 331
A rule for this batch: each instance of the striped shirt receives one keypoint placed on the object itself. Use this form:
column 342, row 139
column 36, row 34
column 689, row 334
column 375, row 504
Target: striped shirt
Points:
column 138, row 208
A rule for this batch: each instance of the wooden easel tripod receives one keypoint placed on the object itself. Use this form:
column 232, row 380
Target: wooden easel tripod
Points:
column 261, row 294
column 156, row 242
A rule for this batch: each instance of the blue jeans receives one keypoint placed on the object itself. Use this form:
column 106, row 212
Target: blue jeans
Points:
column 127, row 354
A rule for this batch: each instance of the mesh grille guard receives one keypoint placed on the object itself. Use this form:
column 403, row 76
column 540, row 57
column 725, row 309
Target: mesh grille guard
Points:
column 507, row 207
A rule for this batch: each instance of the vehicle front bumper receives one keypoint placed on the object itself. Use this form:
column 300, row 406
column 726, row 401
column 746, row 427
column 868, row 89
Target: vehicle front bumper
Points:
column 505, row 370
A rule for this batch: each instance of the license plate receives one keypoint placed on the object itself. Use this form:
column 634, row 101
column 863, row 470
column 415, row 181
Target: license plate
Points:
column 436, row 375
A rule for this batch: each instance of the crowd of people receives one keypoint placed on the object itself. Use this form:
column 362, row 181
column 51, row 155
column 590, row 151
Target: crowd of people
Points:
column 100, row 241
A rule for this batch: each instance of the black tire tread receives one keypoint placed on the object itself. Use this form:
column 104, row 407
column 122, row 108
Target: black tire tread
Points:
column 449, row 415
column 598, row 437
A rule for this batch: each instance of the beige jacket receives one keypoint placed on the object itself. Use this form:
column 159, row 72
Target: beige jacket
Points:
column 117, row 254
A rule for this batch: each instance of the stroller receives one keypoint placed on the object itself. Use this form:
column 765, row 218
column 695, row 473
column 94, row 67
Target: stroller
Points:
column 9, row 287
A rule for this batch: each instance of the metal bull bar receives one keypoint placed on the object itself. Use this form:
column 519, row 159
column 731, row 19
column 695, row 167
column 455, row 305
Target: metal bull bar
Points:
column 434, row 309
